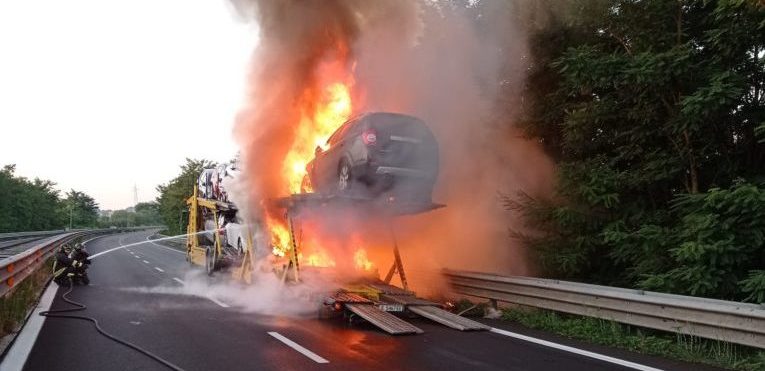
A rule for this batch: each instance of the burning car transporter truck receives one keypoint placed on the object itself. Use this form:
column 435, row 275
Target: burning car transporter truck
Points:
column 371, row 299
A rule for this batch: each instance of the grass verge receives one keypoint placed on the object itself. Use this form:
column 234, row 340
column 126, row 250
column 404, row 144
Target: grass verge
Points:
column 15, row 306
column 636, row 339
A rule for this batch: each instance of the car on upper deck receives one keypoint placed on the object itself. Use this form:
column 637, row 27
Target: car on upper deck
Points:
column 376, row 154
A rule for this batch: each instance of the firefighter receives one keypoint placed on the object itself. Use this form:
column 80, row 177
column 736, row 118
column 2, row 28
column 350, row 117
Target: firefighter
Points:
column 81, row 255
column 64, row 265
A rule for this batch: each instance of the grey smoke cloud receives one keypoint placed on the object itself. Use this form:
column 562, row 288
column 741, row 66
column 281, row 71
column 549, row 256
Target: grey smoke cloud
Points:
column 448, row 63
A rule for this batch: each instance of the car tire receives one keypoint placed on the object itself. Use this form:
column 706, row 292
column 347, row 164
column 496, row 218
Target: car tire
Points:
column 344, row 178
column 210, row 258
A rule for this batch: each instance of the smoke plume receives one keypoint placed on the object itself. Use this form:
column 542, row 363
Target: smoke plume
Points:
column 449, row 63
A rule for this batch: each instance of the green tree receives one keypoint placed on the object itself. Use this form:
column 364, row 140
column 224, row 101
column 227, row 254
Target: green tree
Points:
column 28, row 205
column 173, row 195
column 81, row 210
column 147, row 213
column 653, row 110
column 123, row 218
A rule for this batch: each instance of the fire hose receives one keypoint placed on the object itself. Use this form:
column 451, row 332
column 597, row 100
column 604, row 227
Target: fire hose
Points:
column 80, row 307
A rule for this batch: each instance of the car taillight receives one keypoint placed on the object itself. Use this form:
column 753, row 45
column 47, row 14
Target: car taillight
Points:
column 369, row 137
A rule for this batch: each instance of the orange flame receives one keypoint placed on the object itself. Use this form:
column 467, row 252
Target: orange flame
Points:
column 332, row 110
column 323, row 110
column 280, row 237
column 361, row 260
column 318, row 259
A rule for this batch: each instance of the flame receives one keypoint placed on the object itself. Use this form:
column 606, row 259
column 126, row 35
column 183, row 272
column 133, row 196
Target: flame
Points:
column 318, row 259
column 361, row 260
column 331, row 110
column 323, row 109
column 280, row 237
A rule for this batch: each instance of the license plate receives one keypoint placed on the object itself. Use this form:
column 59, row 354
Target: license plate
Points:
column 391, row 307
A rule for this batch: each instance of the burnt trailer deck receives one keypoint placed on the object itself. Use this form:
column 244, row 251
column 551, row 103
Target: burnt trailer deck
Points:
column 373, row 300
column 386, row 206
column 378, row 302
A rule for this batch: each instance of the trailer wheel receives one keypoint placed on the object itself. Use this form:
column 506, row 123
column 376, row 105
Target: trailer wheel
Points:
column 210, row 258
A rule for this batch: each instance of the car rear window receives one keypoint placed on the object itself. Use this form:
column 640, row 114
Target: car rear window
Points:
column 400, row 125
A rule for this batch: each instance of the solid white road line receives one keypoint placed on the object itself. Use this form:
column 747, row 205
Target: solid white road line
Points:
column 212, row 299
column 91, row 239
column 159, row 269
column 146, row 261
column 581, row 352
column 17, row 356
column 315, row 357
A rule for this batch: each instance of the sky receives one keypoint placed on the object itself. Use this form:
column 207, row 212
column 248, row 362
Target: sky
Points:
column 104, row 95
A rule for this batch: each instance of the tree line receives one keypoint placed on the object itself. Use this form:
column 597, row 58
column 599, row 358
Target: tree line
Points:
column 35, row 205
column 655, row 114
column 171, row 202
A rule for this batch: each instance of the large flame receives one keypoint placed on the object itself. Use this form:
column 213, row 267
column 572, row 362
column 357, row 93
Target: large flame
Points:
column 331, row 110
column 361, row 261
column 323, row 109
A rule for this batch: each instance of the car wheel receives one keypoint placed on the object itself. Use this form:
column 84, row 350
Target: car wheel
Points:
column 344, row 177
column 210, row 257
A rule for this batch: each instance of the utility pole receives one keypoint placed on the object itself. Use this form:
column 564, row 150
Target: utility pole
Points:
column 135, row 194
column 71, row 214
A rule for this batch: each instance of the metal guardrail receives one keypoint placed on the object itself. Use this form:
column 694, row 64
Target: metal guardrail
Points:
column 19, row 235
column 740, row 323
column 14, row 269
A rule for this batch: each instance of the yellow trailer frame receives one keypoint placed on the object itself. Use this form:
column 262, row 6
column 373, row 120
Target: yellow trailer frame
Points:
column 207, row 256
column 290, row 271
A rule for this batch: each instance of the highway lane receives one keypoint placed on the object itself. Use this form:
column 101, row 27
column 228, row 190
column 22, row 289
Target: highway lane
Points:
column 13, row 247
column 128, row 297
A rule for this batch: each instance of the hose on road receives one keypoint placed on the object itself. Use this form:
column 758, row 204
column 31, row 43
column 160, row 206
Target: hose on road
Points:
column 80, row 307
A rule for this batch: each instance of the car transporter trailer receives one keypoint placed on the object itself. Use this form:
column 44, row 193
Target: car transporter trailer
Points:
column 371, row 299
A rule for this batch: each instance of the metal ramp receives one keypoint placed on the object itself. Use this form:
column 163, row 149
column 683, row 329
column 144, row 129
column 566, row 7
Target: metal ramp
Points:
column 427, row 309
column 384, row 320
column 447, row 318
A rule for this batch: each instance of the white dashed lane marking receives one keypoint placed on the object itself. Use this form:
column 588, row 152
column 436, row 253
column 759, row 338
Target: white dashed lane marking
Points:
column 315, row 357
column 212, row 299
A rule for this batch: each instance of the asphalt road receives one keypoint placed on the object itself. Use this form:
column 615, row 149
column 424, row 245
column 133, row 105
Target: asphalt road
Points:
column 13, row 247
column 196, row 333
